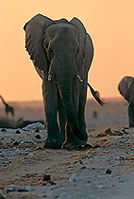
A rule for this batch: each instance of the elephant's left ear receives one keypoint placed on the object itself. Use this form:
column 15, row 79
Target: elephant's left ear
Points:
column 34, row 39
column 89, row 52
column 85, row 45
column 82, row 33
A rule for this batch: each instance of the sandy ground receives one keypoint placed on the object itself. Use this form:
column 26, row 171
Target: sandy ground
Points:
column 103, row 169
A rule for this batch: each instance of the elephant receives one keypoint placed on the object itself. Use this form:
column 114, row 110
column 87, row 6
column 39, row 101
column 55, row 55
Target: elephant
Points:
column 126, row 89
column 62, row 53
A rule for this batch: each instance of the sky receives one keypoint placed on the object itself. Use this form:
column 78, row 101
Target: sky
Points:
column 109, row 22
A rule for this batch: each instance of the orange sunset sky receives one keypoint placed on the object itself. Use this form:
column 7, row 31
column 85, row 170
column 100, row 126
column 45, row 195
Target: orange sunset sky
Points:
column 109, row 22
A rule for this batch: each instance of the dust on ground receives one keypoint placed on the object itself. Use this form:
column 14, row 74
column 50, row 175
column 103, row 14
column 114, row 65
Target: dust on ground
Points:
column 102, row 169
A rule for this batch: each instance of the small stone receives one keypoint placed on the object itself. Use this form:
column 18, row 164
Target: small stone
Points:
column 40, row 173
column 48, row 167
column 29, row 188
column 18, row 152
column 34, row 126
column 2, row 197
column 37, row 130
column 108, row 171
column 16, row 143
column 38, row 148
column 84, row 167
column 46, row 177
column 4, row 154
column 38, row 137
column 119, row 163
column 22, row 142
column 12, row 188
column 3, row 130
column 40, row 182
column 31, row 154
column 51, row 183
column 18, row 132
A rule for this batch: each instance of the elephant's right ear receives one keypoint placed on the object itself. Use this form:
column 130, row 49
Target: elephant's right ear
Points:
column 35, row 29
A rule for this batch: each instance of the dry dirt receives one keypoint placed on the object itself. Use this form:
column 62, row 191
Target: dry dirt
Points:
column 96, row 171
column 102, row 169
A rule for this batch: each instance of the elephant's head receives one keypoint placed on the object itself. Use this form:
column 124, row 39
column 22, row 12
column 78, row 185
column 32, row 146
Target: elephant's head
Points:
column 57, row 49
column 124, row 86
column 61, row 45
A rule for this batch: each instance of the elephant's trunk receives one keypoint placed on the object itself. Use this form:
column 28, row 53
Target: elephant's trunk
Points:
column 65, row 86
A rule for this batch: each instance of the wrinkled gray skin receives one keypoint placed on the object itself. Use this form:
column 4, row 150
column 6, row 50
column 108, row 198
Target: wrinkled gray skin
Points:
column 126, row 89
column 62, row 53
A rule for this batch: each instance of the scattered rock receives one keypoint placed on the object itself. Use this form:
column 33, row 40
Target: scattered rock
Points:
column 3, row 130
column 2, row 197
column 38, row 137
column 34, row 126
column 31, row 154
column 118, row 133
column 40, row 173
column 113, row 133
column 29, row 188
column 46, row 177
column 37, row 130
column 125, row 127
column 14, row 188
column 122, row 157
column 18, row 132
column 38, row 148
column 3, row 154
column 18, row 152
column 118, row 163
column 1, row 138
column 125, row 132
column 108, row 171
column 105, row 133
column 51, row 183
column 16, row 143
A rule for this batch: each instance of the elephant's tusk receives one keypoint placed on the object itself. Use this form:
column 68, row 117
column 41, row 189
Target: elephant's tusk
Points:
column 49, row 77
column 79, row 78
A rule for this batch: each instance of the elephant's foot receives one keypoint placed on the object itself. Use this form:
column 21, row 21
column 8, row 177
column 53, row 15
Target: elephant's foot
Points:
column 52, row 144
column 73, row 142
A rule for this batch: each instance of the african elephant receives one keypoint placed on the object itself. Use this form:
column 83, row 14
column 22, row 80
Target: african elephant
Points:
column 126, row 89
column 62, row 52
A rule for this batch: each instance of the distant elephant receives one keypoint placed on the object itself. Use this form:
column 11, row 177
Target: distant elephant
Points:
column 62, row 52
column 126, row 89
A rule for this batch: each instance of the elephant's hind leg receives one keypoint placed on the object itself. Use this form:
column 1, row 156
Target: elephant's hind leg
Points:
column 82, row 103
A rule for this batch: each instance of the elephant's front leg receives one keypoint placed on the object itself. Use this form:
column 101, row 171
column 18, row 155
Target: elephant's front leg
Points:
column 71, row 139
column 131, row 114
column 61, row 118
column 50, row 104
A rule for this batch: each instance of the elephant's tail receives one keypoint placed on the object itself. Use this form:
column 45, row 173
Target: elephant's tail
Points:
column 96, row 95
